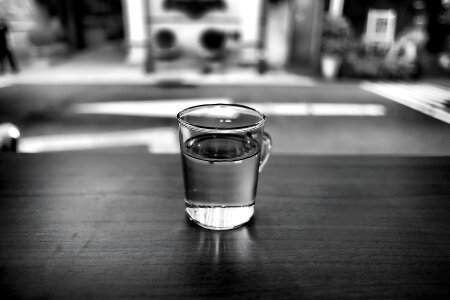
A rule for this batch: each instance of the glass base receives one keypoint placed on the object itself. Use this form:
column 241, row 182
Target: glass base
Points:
column 220, row 217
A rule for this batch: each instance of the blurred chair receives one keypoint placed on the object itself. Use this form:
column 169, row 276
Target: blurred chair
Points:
column 214, row 48
column 166, row 45
column 9, row 137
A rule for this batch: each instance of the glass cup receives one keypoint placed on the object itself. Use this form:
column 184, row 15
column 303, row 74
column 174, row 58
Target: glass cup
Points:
column 223, row 150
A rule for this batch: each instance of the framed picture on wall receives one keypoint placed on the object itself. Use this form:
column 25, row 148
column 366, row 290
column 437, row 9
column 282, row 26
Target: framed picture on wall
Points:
column 380, row 26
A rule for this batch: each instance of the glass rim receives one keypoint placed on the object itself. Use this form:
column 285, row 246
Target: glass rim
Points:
column 213, row 129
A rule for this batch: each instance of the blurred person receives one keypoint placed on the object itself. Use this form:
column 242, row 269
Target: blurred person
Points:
column 5, row 52
column 444, row 57
column 406, row 51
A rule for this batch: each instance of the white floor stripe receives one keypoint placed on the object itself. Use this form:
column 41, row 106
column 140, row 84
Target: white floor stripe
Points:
column 157, row 108
column 425, row 98
column 169, row 108
column 425, row 92
column 5, row 83
column 437, row 94
column 420, row 94
column 160, row 140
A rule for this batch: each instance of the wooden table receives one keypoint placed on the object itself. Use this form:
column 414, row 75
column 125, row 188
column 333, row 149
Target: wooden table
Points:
column 105, row 226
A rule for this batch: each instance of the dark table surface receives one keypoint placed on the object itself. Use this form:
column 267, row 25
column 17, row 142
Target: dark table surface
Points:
column 105, row 226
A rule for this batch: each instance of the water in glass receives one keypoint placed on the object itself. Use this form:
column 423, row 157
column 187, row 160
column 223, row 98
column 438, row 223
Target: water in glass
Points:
column 220, row 177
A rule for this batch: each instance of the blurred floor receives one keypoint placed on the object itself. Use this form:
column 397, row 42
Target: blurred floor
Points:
column 47, row 112
column 53, row 105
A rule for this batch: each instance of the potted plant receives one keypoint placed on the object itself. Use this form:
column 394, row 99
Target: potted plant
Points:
column 336, row 39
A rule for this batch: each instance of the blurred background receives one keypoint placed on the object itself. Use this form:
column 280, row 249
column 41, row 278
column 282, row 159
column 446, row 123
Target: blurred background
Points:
column 334, row 77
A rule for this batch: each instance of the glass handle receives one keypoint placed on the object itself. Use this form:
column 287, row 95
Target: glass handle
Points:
column 265, row 150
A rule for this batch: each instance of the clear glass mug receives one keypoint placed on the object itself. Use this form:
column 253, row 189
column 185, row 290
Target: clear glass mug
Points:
column 223, row 150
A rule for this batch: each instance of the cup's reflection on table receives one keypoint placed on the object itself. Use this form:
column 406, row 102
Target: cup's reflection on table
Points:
column 223, row 149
